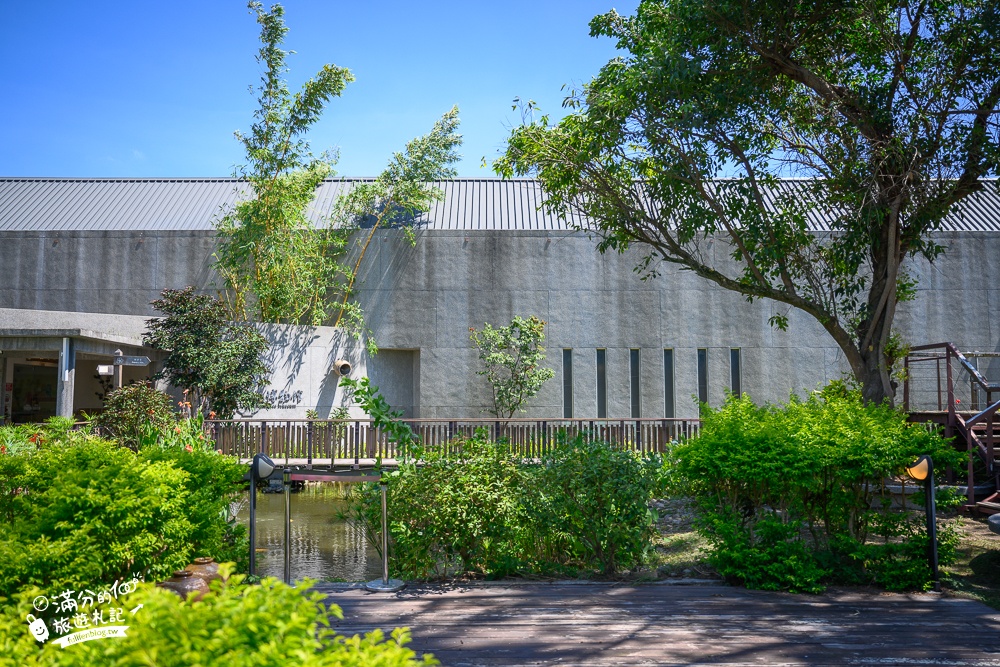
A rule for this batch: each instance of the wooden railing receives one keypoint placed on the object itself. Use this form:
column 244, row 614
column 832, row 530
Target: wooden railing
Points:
column 954, row 380
column 325, row 439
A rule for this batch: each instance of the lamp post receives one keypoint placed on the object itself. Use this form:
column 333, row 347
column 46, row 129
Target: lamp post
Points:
column 922, row 470
column 120, row 370
column 385, row 584
column 260, row 468
column 286, row 477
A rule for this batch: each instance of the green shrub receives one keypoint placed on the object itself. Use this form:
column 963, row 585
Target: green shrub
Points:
column 255, row 626
column 132, row 412
column 80, row 509
column 474, row 507
column 596, row 498
column 459, row 512
column 213, row 485
column 769, row 556
column 89, row 511
column 20, row 438
column 816, row 468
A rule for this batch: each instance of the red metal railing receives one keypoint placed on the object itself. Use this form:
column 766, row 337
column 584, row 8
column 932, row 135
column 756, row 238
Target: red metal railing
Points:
column 976, row 423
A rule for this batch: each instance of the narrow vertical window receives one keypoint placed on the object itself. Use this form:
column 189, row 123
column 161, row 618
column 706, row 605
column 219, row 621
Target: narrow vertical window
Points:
column 602, row 384
column 702, row 375
column 668, row 383
column 634, row 386
column 567, row 383
column 735, row 371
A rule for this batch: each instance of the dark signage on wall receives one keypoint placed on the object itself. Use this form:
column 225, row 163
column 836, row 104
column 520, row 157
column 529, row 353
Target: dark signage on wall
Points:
column 131, row 361
column 282, row 400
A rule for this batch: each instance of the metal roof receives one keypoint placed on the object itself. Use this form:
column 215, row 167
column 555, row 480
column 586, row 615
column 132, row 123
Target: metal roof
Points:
column 179, row 204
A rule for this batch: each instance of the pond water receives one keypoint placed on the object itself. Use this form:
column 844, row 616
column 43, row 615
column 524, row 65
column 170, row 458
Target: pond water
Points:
column 323, row 546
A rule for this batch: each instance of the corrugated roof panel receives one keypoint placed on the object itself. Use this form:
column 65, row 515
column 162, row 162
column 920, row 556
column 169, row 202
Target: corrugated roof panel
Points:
column 39, row 204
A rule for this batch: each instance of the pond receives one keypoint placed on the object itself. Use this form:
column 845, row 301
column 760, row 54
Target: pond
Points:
column 323, row 546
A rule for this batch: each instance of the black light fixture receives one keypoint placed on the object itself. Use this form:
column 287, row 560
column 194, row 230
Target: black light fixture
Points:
column 260, row 468
column 922, row 470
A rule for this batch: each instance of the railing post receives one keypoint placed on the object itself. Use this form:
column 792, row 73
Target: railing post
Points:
column 971, row 493
column 937, row 362
column 951, row 388
column 990, row 460
column 288, row 441
column 906, row 383
column 357, row 444
column 263, row 438
column 331, row 439
column 309, row 445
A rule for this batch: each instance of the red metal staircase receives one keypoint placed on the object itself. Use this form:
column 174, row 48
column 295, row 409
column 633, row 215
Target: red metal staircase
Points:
column 941, row 376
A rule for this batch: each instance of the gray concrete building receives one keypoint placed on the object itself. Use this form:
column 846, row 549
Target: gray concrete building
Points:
column 80, row 260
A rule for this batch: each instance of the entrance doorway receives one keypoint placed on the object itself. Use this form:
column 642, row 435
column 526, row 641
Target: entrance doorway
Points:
column 33, row 393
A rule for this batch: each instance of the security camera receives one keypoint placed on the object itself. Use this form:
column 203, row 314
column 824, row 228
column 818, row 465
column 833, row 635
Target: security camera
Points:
column 342, row 367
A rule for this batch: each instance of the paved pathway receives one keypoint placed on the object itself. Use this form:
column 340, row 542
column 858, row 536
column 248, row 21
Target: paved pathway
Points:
column 659, row 624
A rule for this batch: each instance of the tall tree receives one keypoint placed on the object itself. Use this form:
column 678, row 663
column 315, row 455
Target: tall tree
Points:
column 400, row 192
column 885, row 109
column 220, row 363
column 278, row 266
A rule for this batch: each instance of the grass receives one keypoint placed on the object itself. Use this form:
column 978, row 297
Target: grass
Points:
column 976, row 573
column 679, row 551
column 681, row 555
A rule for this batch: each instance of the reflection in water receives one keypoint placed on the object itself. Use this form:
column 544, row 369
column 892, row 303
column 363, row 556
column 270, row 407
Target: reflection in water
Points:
column 323, row 546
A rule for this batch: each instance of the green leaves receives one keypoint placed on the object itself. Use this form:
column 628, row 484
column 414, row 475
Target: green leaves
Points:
column 277, row 265
column 473, row 507
column 511, row 356
column 384, row 418
column 220, row 363
column 269, row 625
column 886, row 111
column 90, row 512
column 83, row 510
column 596, row 498
column 394, row 199
column 130, row 412
column 794, row 496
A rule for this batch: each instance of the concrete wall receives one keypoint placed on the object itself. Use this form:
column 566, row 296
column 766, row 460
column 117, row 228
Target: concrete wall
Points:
column 422, row 299
column 301, row 359
column 101, row 272
column 427, row 296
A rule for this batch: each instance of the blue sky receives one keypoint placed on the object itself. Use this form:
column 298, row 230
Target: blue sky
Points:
column 143, row 89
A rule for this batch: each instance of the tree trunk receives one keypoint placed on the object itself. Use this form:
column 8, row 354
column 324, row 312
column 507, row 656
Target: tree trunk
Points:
column 873, row 372
column 872, row 378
